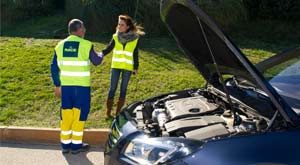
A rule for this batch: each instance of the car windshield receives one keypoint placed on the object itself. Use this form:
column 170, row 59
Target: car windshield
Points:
column 285, row 78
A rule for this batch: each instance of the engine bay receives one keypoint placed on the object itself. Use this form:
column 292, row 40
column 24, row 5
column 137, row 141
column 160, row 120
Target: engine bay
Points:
column 195, row 114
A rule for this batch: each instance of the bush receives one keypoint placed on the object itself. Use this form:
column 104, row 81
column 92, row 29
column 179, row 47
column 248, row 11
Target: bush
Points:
column 225, row 12
column 273, row 9
column 101, row 16
column 17, row 10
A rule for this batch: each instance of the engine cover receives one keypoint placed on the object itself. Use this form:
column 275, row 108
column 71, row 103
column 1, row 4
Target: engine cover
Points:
column 188, row 107
column 190, row 123
column 208, row 132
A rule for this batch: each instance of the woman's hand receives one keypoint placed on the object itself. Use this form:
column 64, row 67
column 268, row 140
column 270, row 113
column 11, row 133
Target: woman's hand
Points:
column 57, row 92
column 100, row 54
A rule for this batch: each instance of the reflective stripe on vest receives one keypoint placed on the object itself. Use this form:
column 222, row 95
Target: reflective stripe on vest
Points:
column 74, row 74
column 73, row 61
column 123, row 52
column 123, row 60
column 123, row 57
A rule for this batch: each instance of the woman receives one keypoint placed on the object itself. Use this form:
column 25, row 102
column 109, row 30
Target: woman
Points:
column 124, row 44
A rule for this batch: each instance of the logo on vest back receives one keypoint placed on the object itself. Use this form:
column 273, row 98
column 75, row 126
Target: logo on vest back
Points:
column 70, row 49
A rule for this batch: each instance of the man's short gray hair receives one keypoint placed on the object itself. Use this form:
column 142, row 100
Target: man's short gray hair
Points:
column 74, row 25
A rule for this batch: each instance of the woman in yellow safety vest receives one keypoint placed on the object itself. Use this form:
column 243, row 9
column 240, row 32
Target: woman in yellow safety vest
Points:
column 124, row 44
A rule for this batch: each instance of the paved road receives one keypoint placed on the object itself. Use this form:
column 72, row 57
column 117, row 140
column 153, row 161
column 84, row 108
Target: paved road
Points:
column 33, row 154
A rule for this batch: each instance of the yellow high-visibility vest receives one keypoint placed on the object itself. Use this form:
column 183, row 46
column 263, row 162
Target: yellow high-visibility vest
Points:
column 123, row 57
column 73, row 61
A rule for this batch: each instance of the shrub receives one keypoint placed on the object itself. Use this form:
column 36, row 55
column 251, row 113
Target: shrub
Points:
column 101, row 16
column 273, row 9
column 17, row 10
column 225, row 12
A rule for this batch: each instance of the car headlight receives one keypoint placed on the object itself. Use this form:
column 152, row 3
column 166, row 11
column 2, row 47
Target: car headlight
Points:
column 159, row 150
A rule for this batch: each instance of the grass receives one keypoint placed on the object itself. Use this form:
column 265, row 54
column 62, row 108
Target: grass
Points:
column 26, row 90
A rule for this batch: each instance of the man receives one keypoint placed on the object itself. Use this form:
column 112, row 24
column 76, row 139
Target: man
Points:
column 70, row 71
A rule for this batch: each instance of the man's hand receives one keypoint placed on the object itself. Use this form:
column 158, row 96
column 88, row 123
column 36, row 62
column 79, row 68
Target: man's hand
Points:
column 135, row 71
column 100, row 54
column 57, row 92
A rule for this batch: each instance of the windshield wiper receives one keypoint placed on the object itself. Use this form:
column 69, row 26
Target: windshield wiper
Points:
column 258, row 93
column 220, row 79
column 237, row 84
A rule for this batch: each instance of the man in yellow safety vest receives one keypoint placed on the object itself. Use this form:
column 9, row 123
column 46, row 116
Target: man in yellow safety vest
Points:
column 70, row 71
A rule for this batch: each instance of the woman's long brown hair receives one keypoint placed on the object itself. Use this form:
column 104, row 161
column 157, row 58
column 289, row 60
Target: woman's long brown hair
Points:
column 132, row 25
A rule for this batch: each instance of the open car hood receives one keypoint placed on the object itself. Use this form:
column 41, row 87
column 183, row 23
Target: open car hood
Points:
column 202, row 41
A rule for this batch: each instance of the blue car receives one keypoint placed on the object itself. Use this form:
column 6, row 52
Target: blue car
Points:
column 245, row 114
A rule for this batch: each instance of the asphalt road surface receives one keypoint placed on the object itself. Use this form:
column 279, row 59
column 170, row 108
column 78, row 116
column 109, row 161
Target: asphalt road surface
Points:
column 33, row 154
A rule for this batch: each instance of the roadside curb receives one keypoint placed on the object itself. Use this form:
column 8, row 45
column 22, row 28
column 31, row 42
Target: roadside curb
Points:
column 48, row 135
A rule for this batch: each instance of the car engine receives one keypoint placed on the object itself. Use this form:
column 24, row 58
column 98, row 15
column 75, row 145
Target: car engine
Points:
column 195, row 115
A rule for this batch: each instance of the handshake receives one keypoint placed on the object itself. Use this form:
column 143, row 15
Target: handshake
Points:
column 100, row 54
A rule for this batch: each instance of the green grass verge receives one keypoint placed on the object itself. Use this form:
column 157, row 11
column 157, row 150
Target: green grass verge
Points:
column 26, row 89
